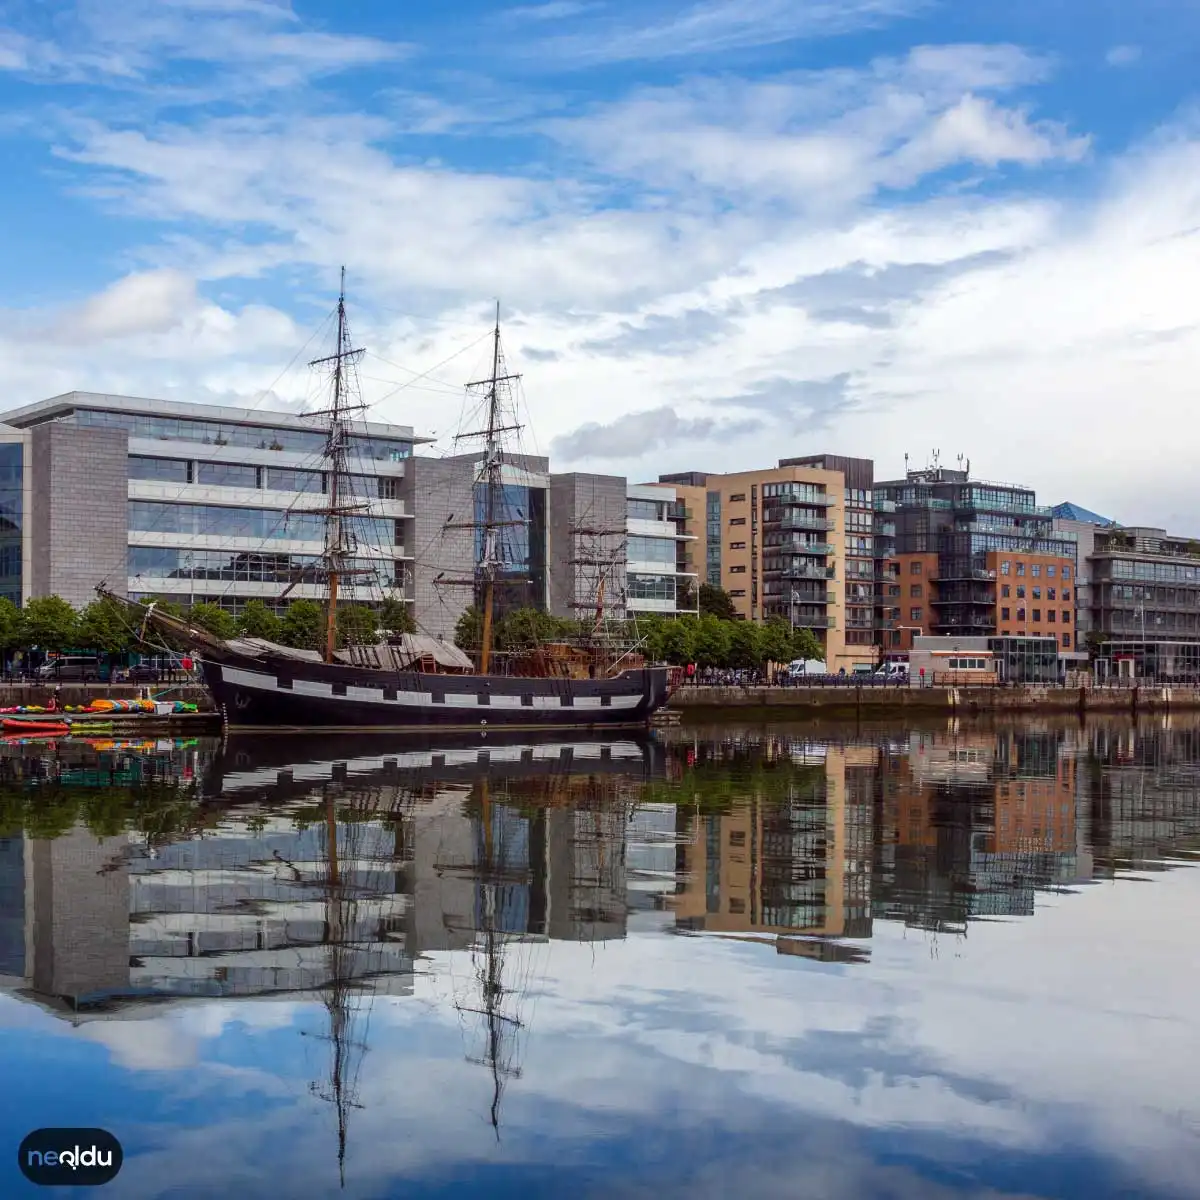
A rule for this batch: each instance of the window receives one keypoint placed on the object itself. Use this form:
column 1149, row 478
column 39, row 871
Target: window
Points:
column 737, row 837
column 914, row 614
column 1020, row 591
column 914, row 568
column 1066, row 612
column 737, row 545
column 169, row 470
column 916, row 591
column 278, row 479
column 1050, row 593
column 1020, row 614
column 1005, row 591
column 644, row 510
column 389, row 487
column 1066, row 593
column 1036, row 570
column 650, row 587
column 1004, row 614
column 738, row 592
column 1005, row 567
column 1037, row 614
column 650, row 550
column 737, row 570
column 737, row 520
column 1066, row 572
column 736, row 497
column 1020, row 568
column 1066, row 640
column 1051, row 615
column 1037, row 593
column 227, row 475
column 1050, row 571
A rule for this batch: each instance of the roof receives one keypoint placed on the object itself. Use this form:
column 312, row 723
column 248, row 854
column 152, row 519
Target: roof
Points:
column 1076, row 512
column 446, row 654
column 59, row 406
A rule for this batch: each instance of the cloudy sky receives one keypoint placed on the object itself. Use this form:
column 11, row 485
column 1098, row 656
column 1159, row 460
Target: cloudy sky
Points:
column 721, row 230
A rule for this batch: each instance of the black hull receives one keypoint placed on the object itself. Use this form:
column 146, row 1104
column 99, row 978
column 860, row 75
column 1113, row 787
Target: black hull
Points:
column 286, row 695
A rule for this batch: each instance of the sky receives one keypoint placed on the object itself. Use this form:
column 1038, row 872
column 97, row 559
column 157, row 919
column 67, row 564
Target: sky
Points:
column 720, row 231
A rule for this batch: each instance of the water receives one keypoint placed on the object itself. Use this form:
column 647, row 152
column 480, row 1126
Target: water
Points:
column 739, row 961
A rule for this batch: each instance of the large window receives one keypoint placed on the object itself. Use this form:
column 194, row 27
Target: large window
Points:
column 12, row 519
column 651, row 587
column 381, row 449
column 645, row 510
column 219, row 474
column 651, row 550
column 218, row 521
column 278, row 479
column 169, row 562
column 212, row 433
column 168, row 470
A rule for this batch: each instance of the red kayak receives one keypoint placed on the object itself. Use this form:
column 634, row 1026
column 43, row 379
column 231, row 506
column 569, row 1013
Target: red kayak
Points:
column 36, row 727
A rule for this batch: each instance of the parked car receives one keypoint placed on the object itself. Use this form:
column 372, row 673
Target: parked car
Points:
column 71, row 668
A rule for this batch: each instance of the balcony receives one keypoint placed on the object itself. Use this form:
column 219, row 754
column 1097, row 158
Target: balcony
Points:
column 886, row 529
column 884, row 506
column 822, row 501
column 801, row 521
column 812, row 622
column 679, row 512
column 817, row 573
column 984, row 598
column 955, row 573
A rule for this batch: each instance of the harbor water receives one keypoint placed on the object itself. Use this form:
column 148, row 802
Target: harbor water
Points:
column 932, row 960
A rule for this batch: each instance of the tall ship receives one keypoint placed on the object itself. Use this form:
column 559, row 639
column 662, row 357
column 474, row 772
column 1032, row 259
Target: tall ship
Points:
column 411, row 680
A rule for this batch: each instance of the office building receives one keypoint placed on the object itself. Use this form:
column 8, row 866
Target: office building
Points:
column 972, row 558
column 661, row 572
column 1145, row 603
column 195, row 502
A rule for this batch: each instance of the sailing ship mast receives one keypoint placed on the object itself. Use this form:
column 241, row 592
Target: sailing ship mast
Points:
column 339, row 542
column 491, row 557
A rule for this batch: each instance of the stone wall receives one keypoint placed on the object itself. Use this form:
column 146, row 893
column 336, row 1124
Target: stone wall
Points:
column 80, row 525
column 580, row 507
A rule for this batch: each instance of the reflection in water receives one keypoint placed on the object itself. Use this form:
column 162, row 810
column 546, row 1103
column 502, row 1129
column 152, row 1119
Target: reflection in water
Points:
column 136, row 874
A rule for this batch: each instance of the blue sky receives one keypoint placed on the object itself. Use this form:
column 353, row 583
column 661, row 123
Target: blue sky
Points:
column 721, row 231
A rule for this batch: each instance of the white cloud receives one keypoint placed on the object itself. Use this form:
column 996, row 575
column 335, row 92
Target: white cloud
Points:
column 1123, row 56
column 149, row 302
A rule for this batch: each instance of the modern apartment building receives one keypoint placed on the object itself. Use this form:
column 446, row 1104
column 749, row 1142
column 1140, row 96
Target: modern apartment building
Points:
column 972, row 529
column 661, row 574
column 196, row 502
column 774, row 541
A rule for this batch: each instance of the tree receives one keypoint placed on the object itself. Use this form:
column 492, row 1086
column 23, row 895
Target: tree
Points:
column 745, row 645
column 715, row 602
column 303, row 625
column 468, row 630
column 711, row 640
column 50, row 623
column 258, row 621
column 104, row 625
column 217, row 620
column 806, row 645
column 396, row 617
column 678, row 640
column 357, row 625
column 12, row 627
column 525, row 628
column 776, row 643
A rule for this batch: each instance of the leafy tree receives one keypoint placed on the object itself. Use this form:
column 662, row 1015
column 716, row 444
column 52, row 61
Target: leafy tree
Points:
column 677, row 642
column 745, row 645
column 303, row 625
column 716, row 602
column 526, row 627
column 105, row 625
column 50, row 623
column 396, row 617
column 217, row 620
column 357, row 625
column 171, row 607
column 776, row 643
column 712, row 640
column 12, row 627
column 468, row 630
column 258, row 621
column 806, row 644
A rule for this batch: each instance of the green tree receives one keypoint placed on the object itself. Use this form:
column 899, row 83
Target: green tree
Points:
column 677, row 641
column 105, row 625
column 258, row 621
column 12, row 627
column 396, row 617
column 358, row 625
column 526, row 627
column 217, row 620
column 776, row 643
column 712, row 641
column 715, row 602
column 806, row 645
column 50, row 623
column 303, row 625
column 745, row 644
column 468, row 630
column 171, row 607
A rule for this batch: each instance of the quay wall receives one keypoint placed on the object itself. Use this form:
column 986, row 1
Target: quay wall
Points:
column 904, row 699
column 40, row 694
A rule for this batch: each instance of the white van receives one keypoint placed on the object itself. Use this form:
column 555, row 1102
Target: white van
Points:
column 806, row 666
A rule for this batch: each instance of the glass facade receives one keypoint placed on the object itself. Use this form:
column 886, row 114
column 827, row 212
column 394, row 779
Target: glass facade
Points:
column 12, row 906
column 650, row 550
column 151, row 516
column 647, row 510
column 166, row 470
column 522, row 544
column 12, row 519
column 712, row 532
column 171, row 562
column 651, row 587
column 209, row 433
